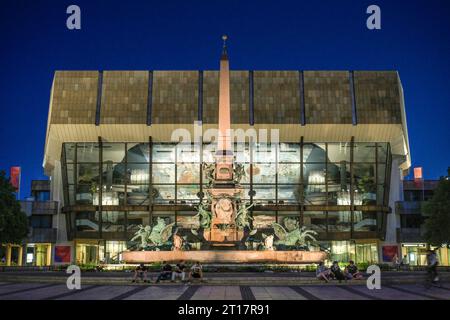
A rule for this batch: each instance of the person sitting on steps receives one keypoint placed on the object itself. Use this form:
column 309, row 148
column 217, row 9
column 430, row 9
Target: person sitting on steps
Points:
column 179, row 271
column 322, row 272
column 141, row 272
column 352, row 272
column 336, row 272
column 166, row 272
column 196, row 272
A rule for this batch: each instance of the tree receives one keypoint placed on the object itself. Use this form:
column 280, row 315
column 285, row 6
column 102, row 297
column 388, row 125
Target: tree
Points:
column 437, row 225
column 13, row 221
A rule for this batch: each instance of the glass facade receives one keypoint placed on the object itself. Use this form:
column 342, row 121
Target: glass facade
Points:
column 111, row 188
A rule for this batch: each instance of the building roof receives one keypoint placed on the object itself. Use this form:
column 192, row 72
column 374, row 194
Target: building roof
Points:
column 319, row 105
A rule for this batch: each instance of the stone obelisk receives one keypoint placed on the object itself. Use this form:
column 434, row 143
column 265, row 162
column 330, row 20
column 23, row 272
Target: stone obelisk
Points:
column 224, row 192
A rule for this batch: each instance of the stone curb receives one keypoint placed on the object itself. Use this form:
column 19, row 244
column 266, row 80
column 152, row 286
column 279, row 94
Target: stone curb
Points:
column 213, row 281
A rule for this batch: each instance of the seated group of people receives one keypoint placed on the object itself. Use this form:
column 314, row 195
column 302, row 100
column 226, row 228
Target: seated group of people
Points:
column 171, row 273
column 334, row 272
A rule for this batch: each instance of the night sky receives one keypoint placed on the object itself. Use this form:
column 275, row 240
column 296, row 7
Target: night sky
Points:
column 186, row 35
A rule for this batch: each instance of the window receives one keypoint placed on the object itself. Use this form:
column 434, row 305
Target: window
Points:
column 41, row 221
column 411, row 220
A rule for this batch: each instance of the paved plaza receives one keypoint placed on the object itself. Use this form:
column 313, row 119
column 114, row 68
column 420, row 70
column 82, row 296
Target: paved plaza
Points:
column 49, row 291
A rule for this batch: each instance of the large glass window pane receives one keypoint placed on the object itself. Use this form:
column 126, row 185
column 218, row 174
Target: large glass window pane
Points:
column 84, row 193
column 264, row 153
column 167, row 216
column 314, row 152
column 315, row 220
column 315, row 194
column 365, row 183
column 138, row 195
column 70, row 173
column 88, row 152
column 364, row 221
column 187, row 192
column 289, row 152
column 71, row 189
column 381, row 173
column 164, row 193
column 246, row 177
column 138, row 173
column 264, row 173
column 163, row 173
column 380, row 194
column 339, row 221
column 188, row 153
column 113, row 251
column 114, row 152
column 314, row 173
column 339, row 173
column 364, row 152
column 114, row 173
column 163, row 152
column 245, row 194
column 88, row 173
column 188, row 220
column 87, row 221
column 289, row 173
column 138, row 152
column 113, row 221
column 188, row 173
column 209, row 151
column 263, row 219
column 294, row 218
column 289, row 193
column 242, row 153
column 367, row 252
column 342, row 251
column 266, row 193
column 382, row 152
column 136, row 218
column 338, row 152
column 111, row 197
column 70, row 152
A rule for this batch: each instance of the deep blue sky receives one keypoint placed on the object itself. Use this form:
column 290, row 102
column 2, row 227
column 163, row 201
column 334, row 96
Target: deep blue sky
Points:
column 264, row 35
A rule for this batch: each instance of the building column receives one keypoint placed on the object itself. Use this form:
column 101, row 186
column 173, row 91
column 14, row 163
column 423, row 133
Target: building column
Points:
column 49, row 255
column 8, row 254
column 20, row 256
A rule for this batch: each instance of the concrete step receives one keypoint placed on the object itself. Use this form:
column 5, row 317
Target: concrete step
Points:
column 248, row 281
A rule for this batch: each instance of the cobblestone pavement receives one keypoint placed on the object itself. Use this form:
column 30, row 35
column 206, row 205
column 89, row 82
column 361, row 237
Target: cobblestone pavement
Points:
column 40, row 291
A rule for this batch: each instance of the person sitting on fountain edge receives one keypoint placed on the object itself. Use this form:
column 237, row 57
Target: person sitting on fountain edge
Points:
column 166, row 272
column 141, row 272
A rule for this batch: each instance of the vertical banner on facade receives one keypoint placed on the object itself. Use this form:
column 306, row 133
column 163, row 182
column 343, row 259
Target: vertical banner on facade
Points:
column 418, row 173
column 389, row 252
column 14, row 177
column 62, row 254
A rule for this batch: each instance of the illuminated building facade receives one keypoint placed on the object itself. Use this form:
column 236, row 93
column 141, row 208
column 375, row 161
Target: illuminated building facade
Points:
column 337, row 169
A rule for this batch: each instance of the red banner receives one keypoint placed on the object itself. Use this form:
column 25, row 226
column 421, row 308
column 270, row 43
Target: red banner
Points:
column 14, row 177
column 62, row 254
column 389, row 252
column 418, row 173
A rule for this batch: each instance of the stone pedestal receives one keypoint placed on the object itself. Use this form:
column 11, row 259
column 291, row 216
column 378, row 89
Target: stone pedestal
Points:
column 223, row 210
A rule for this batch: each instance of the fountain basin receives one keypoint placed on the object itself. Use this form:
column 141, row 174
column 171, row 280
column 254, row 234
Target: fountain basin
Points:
column 229, row 256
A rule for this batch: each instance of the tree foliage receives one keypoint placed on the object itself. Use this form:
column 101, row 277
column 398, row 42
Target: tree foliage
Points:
column 13, row 222
column 438, row 210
